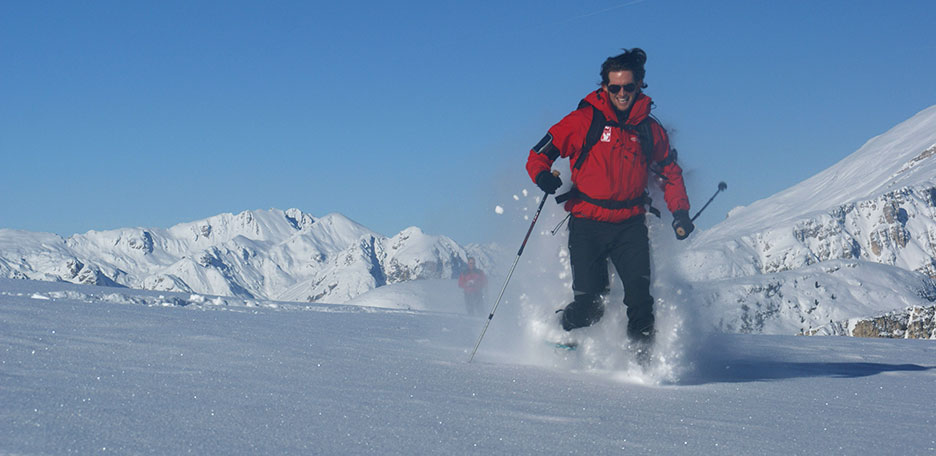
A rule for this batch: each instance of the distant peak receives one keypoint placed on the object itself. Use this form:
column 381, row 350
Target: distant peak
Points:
column 298, row 219
column 413, row 230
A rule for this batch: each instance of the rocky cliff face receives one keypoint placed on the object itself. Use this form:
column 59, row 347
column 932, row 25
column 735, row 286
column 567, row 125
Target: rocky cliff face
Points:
column 897, row 228
column 917, row 322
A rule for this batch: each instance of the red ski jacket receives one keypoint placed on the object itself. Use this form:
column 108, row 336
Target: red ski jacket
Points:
column 615, row 168
column 472, row 281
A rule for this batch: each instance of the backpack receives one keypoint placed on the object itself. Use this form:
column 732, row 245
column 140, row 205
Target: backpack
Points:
column 644, row 136
column 599, row 122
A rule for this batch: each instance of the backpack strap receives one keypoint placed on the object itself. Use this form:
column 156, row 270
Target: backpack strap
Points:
column 644, row 131
column 595, row 129
column 670, row 158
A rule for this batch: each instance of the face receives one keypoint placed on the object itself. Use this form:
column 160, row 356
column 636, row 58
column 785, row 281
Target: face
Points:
column 471, row 263
column 622, row 100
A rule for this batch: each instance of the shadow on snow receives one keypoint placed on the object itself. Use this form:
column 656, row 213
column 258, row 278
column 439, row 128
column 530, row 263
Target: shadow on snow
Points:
column 751, row 370
column 726, row 362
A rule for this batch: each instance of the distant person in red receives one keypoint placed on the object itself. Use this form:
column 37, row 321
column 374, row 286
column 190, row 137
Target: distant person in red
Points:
column 473, row 281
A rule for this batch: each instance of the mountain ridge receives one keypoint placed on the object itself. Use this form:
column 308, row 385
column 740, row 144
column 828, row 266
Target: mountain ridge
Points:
column 268, row 254
column 874, row 210
column 911, row 143
column 856, row 240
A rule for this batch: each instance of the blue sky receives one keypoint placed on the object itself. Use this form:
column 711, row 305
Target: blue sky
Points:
column 131, row 113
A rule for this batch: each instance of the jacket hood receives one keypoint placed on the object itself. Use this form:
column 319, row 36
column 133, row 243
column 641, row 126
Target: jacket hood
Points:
column 639, row 111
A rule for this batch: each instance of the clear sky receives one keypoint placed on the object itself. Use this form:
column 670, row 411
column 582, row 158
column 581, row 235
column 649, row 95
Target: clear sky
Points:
column 140, row 113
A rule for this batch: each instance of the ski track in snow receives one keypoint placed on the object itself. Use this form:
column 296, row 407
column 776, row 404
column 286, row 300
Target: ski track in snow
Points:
column 90, row 370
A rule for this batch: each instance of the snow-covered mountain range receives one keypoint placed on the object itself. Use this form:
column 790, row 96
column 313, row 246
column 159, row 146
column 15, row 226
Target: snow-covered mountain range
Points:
column 265, row 254
column 856, row 240
column 852, row 244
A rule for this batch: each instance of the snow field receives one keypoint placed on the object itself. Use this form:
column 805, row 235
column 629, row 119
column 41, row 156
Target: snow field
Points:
column 84, row 375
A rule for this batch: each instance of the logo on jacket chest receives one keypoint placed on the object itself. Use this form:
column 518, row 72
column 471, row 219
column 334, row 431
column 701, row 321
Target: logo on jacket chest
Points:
column 606, row 134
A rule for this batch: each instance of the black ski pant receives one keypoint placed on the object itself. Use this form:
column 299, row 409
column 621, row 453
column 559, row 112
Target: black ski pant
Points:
column 627, row 245
column 474, row 303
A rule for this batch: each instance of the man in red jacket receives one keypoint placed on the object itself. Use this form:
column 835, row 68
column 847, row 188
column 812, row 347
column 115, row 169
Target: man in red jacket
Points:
column 608, row 200
column 473, row 281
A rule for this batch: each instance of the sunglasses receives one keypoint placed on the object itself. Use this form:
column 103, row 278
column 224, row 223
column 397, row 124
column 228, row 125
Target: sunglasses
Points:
column 614, row 88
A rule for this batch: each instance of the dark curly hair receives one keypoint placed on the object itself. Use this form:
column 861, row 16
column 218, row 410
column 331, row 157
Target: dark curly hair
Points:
column 632, row 60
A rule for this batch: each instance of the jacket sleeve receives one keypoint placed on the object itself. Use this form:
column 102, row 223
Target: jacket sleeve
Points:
column 564, row 139
column 674, row 188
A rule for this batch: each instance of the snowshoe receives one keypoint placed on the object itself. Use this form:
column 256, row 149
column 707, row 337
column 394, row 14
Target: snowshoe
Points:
column 567, row 346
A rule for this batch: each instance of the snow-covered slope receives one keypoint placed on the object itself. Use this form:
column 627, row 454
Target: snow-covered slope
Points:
column 274, row 254
column 800, row 258
column 92, row 370
column 901, row 158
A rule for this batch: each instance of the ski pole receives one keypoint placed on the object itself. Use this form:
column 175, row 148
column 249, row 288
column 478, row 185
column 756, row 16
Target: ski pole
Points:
column 510, row 273
column 721, row 187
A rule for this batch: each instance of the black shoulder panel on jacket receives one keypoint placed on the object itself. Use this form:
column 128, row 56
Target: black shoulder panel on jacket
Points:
column 546, row 147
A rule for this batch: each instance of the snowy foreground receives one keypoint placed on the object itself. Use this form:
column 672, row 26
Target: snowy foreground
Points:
column 87, row 370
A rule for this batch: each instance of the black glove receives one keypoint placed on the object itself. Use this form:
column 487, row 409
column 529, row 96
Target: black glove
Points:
column 548, row 182
column 682, row 225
